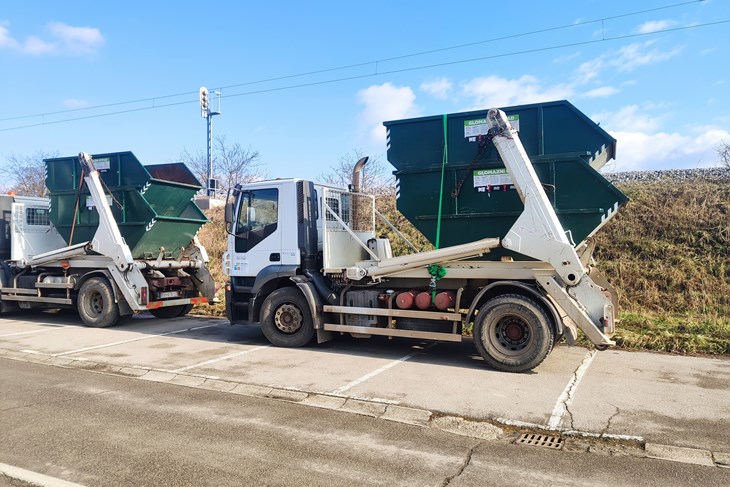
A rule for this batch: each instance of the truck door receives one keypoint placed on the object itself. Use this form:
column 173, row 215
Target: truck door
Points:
column 258, row 232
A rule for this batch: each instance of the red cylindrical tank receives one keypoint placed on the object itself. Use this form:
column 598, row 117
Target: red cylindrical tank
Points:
column 423, row 300
column 405, row 299
column 444, row 300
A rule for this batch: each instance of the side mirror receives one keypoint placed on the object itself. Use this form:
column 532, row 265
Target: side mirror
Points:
column 229, row 217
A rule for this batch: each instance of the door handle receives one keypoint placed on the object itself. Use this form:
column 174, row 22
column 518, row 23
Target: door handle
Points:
column 275, row 257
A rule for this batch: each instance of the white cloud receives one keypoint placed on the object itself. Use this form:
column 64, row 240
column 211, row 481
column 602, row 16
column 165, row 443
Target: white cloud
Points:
column 625, row 59
column 654, row 25
column 64, row 39
column 642, row 144
column 565, row 59
column 495, row 91
column 630, row 118
column 440, row 88
column 589, row 70
column 602, row 91
column 599, row 33
column 77, row 40
column 6, row 40
column 36, row 46
column 73, row 103
column 639, row 54
column 385, row 102
column 662, row 150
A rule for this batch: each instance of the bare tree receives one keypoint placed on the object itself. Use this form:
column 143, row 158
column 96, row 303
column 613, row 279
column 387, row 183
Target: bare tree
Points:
column 26, row 175
column 231, row 164
column 374, row 178
column 723, row 152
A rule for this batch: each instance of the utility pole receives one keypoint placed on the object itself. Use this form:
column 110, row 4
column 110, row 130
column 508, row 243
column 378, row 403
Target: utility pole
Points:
column 208, row 114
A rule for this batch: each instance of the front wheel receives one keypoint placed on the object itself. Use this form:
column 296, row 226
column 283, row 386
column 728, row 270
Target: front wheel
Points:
column 96, row 304
column 286, row 320
column 513, row 333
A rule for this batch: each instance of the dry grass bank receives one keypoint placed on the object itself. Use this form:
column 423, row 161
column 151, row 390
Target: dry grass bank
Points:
column 668, row 255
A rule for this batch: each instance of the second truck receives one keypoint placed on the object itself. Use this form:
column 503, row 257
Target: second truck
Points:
column 114, row 239
column 305, row 262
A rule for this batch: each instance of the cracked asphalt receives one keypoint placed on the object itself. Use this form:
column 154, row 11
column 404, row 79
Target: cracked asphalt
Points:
column 98, row 429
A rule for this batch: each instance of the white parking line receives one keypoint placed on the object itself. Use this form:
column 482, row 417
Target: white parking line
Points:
column 566, row 398
column 55, row 327
column 34, row 478
column 147, row 337
column 382, row 369
column 219, row 359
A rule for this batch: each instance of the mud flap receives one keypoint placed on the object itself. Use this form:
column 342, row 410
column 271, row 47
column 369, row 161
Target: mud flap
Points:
column 315, row 306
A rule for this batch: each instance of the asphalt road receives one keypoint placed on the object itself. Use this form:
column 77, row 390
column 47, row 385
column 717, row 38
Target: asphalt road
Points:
column 100, row 429
column 671, row 400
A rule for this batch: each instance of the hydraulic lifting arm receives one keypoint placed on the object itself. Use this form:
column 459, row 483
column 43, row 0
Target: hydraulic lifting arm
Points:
column 108, row 241
column 537, row 233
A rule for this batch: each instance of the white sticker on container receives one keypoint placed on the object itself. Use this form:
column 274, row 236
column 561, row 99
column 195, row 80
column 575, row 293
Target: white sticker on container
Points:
column 102, row 163
column 475, row 128
column 90, row 201
column 493, row 178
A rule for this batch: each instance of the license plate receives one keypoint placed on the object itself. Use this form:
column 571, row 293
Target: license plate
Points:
column 169, row 294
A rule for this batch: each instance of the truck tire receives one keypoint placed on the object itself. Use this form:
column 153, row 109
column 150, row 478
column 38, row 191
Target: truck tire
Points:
column 185, row 310
column 286, row 319
column 512, row 333
column 96, row 304
column 172, row 311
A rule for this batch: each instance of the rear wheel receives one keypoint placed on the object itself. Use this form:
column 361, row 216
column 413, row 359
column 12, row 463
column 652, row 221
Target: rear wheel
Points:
column 96, row 304
column 171, row 311
column 513, row 333
column 186, row 309
column 286, row 320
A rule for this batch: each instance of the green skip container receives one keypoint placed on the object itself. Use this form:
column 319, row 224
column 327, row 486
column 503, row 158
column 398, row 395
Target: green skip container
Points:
column 152, row 205
column 479, row 200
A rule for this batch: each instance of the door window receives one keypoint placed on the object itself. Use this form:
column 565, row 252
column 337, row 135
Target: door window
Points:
column 258, row 217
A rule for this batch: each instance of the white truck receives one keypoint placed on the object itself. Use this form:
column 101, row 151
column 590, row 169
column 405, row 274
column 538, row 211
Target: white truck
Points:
column 99, row 277
column 304, row 261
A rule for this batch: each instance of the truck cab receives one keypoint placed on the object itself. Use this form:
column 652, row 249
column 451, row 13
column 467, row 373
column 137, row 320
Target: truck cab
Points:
column 282, row 228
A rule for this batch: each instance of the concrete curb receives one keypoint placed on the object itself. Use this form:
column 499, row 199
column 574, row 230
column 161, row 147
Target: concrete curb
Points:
column 680, row 454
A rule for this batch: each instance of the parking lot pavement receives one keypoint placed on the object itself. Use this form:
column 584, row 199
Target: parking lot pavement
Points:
column 676, row 400
column 683, row 401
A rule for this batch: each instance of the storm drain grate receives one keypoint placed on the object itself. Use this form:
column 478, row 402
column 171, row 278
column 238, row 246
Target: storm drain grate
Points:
column 545, row 441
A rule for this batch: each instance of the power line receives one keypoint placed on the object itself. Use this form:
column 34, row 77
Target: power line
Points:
column 153, row 100
column 470, row 44
column 481, row 58
column 106, row 105
column 381, row 73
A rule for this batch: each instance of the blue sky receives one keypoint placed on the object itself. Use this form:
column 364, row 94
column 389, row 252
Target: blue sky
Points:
column 658, row 81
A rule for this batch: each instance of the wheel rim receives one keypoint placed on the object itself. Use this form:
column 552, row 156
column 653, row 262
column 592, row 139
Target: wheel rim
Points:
column 510, row 335
column 96, row 303
column 288, row 318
